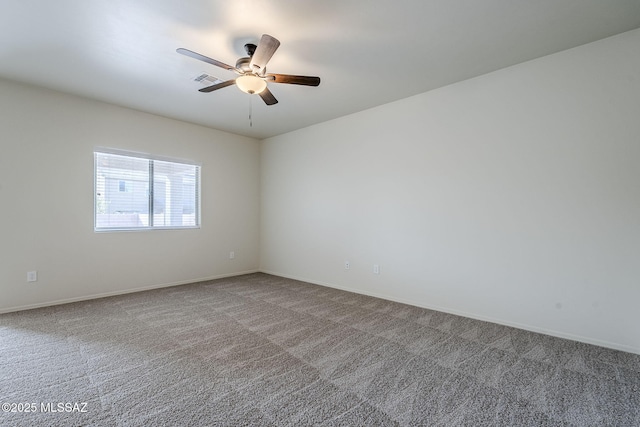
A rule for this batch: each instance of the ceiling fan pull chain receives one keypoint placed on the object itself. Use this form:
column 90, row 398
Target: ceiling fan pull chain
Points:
column 250, row 118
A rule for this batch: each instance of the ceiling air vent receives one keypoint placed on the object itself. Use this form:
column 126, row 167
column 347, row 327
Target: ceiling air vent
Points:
column 205, row 79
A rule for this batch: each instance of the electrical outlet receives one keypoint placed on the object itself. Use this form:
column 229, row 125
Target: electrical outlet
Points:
column 232, row 255
column 32, row 276
column 347, row 265
column 376, row 269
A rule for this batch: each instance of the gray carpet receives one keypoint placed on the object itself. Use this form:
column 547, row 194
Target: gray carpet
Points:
column 262, row 350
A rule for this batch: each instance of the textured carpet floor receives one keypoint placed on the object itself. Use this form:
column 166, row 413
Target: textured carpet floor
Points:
column 262, row 350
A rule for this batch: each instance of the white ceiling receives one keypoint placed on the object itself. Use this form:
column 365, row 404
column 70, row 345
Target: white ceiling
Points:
column 367, row 53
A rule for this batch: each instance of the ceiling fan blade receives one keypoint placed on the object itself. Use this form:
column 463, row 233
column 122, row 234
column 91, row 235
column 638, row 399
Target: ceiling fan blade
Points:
column 217, row 86
column 206, row 59
column 268, row 97
column 294, row 80
column 265, row 50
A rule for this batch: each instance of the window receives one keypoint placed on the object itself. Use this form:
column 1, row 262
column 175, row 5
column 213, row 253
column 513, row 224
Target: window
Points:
column 136, row 191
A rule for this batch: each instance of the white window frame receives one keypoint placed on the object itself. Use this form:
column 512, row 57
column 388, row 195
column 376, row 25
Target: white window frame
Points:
column 151, row 158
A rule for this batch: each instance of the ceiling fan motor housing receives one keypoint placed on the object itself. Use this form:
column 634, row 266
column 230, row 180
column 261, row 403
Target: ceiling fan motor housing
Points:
column 244, row 64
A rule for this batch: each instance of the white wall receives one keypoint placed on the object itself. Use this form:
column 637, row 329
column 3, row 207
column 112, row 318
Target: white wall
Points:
column 512, row 197
column 46, row 200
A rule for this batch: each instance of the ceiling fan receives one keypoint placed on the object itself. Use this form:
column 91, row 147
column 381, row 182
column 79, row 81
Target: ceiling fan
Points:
column 252, row 70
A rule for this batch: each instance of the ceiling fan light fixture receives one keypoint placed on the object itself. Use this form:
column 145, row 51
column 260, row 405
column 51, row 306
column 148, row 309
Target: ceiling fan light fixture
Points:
column 250, row 83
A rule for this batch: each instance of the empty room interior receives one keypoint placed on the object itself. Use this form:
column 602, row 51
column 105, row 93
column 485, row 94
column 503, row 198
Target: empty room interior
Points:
column 291, row 213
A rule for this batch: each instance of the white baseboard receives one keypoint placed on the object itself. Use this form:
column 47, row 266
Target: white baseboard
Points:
column 121, row 292
column 559, row 334
column 554, row 333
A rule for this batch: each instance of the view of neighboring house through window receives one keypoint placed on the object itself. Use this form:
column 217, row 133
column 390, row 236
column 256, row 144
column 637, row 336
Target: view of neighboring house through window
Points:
column 136, row 191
